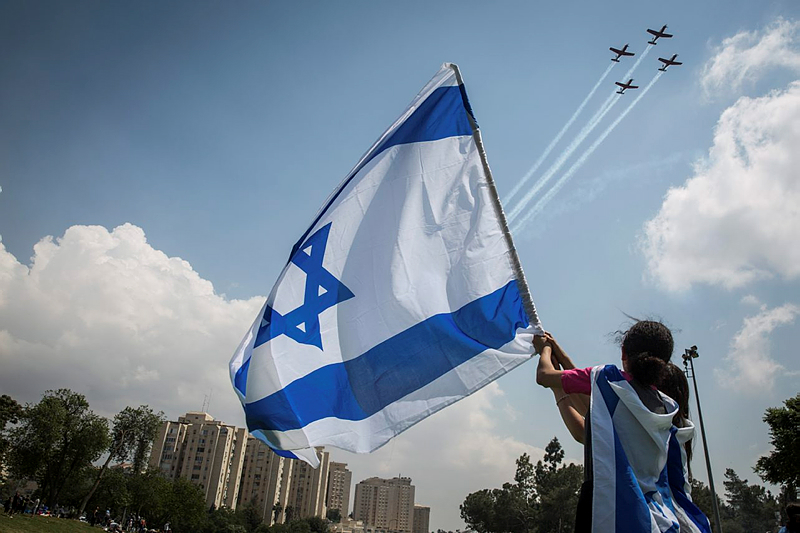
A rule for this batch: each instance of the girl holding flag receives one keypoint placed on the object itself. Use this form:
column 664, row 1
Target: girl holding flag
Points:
column 634, row 460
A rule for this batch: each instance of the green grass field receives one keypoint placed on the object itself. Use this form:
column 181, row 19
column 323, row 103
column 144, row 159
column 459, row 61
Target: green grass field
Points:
column 28, row 524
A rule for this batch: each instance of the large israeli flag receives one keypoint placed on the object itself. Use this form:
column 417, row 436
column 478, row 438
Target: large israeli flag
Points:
column 399, row 299
column 639, row 462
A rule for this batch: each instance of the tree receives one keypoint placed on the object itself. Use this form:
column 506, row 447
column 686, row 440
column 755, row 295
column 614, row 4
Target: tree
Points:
column 312, row 524
column 558, row 487
column 76, row 486
column 749, row 508
column 542, row 498
column 223, row 519
column 498, row 510
column 478, row 510
column 10, row 411
column 56, row 438
column 249, row 517
column 334, row 515
column 701, row 496
column 184, row 508
column 781, row 466
column 113, row 492
column 147, row 491
column 131, row 437
column 298, row 526
column 317, row 524
column 179, row 502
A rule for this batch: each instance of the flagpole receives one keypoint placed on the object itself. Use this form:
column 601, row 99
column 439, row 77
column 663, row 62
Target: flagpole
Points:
column 516, row 265
column 689, row 355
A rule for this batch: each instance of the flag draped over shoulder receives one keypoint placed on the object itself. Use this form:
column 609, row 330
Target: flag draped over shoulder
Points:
column 639, row 462
column 398, row 300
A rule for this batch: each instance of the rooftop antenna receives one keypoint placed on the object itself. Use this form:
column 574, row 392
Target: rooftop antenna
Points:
column 207, row 401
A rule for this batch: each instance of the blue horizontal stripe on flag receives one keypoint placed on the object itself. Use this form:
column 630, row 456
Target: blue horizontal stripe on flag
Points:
column 360, row 387
column 441, row 115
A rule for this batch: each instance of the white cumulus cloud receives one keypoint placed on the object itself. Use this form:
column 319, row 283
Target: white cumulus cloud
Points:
column 749, row 365
column 107, row 315
column 737, row 219
column 750, row 54
column 751, row 299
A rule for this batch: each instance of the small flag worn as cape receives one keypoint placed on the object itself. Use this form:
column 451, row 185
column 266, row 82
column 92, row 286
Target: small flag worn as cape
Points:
column 397, row 301
column 639, row 462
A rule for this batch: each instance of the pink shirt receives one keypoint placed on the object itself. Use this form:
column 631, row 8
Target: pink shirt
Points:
column 579, row 380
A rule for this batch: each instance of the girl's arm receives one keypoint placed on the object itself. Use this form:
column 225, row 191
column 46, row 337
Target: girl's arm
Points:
column 564, row 402
column 570, row 415
column 546, row 373
column 579, row 401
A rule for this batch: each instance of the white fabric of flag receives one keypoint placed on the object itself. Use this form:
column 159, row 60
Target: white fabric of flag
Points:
column 639, row 462
column 398, row 300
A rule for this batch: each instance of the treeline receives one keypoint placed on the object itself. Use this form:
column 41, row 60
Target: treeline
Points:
column 57, row 441
column 748, row 507
column 543, row 497
column 83, row 462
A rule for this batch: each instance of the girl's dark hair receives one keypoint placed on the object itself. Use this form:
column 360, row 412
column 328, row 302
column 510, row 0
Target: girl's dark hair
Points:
column 648, row 346
column 675, row 385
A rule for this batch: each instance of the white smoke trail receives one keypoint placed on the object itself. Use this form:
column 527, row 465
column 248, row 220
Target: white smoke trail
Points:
column 558, row 137
column 562, row 158
column 544, row 200
column 605, row 107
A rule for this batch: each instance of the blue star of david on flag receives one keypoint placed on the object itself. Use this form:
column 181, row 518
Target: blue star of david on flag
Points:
column 322, row 291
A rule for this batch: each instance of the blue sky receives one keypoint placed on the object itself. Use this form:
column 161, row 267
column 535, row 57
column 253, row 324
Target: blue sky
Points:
column 218, row 130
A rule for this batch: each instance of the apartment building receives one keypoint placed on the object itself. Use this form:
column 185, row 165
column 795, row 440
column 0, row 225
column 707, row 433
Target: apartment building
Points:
column 206, row 452
column 422, row 519
column 385, row 504
column 308, row 488
column 234, row 469
column 266, row 478
column 339, row 481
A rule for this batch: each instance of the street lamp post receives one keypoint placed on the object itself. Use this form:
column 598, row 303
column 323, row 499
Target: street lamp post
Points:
column 689, row 355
